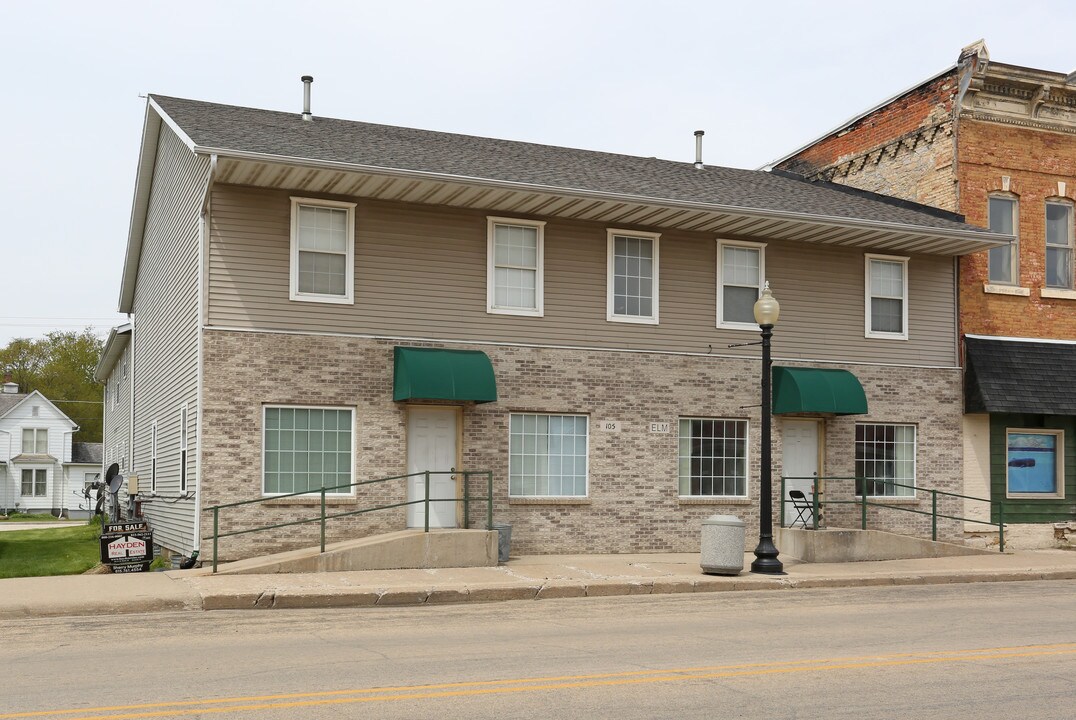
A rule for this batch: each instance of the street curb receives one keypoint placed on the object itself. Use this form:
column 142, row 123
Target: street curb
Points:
column 353, row 597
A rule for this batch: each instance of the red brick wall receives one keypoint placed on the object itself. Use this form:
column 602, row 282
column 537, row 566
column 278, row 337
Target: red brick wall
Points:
column 1034, row 160
column 921, row 107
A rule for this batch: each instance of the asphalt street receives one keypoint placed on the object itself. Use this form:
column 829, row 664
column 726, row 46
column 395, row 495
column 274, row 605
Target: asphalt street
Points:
column 950, row 651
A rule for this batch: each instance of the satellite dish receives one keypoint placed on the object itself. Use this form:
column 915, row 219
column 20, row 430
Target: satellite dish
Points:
column 113, row 478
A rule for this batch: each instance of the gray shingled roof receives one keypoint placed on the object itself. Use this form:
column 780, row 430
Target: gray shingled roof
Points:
column 87, row 453
column 227, row 128
column 9, row 400
column 1018, row 376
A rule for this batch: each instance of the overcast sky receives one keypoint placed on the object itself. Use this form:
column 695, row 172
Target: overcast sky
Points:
column 761, row 78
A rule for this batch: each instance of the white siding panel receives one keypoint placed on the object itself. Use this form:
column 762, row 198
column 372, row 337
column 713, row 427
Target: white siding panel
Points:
column 420, row 271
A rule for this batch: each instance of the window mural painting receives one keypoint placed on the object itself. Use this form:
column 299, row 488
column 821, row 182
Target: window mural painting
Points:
column 1032, row 461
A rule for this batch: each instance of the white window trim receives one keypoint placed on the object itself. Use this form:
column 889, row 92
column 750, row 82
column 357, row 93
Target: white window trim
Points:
column 348, row 298
column 1059, row 477
column 747, row 458
column 153, row 457
column 1014, row 248
column 35, row 430
column 867, row 258
column 183, row 458
column 1071, row 246
column 721, row 244
column 915, row 463
column 491, row 269
column 651, row 319
column 508, row 468
column 354, row 455
column 33, row 482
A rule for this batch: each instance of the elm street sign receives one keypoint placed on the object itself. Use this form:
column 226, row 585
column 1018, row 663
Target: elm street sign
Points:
column 127, row 547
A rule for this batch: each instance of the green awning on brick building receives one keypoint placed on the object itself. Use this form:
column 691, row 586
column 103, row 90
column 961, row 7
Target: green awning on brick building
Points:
column 816, row 390
column 440, row 374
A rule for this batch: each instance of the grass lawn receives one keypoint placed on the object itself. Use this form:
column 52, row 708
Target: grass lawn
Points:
column 55, row 551
column 24, row 517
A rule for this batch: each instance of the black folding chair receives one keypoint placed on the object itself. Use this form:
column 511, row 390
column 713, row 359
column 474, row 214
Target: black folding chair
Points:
column 803, row 507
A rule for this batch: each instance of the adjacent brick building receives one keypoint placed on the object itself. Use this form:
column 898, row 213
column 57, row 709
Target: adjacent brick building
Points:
column 996, row 143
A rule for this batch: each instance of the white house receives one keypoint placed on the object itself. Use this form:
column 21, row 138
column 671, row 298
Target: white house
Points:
column 41, row 469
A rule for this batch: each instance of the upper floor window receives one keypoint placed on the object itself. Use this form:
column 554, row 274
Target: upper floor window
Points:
column 887, row 297
column 1059, row 242
column 514, row 255
column 35, row 441
column 633, row 277
column 322, row 251
column 740, row 269
column 183, row 447
column 1004, row 260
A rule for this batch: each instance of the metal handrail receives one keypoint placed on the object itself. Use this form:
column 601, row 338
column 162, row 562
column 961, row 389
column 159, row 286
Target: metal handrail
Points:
column 864, row 501
column 323, row 517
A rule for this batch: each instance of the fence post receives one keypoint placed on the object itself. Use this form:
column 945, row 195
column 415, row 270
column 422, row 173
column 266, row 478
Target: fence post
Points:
column 934, row 515
column 466, row 501
column 782, row 501
column 1001, row 525
column 862, row 503
column 426, row 504
column 489, row 500
column 216, row 528
column 323, row 519
column 814, row 501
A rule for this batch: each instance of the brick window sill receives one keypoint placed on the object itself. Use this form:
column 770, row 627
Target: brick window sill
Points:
column 314, row 501
column 1006, row 290
column 714, row 501
column 881, row 499
column 549, row 501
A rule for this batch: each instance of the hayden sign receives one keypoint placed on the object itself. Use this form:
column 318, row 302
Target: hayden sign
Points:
column 127, row 547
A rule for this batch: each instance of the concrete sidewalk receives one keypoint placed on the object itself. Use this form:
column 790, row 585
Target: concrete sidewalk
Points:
column 525, row 578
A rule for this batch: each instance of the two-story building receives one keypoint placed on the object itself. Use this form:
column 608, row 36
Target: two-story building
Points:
column 316, row 302
column 41, row 469
column 996, row 143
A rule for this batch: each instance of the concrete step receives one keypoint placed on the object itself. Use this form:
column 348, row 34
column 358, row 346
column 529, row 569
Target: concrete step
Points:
column 834, row 545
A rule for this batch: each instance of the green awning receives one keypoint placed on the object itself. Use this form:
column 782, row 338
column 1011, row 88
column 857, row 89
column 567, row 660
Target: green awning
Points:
column 812, row 390
column 439, row 374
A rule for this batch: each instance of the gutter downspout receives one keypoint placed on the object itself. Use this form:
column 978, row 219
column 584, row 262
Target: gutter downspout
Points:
column 7, row 471
column 203, row 320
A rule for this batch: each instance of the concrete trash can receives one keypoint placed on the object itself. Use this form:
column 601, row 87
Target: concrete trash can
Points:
column 722, row 545
column 504, row 541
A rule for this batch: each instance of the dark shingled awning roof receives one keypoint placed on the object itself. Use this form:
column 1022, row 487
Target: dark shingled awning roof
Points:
column 1019, row 376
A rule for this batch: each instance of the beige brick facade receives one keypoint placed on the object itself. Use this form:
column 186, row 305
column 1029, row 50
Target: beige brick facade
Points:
column 632, row 503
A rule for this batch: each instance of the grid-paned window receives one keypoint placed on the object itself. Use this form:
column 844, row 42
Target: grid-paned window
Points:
column 1003, row 260
column 34, row 482
column 740, row 279
column 713, row 457
column 515, row 266
column 887, row 296
column 153, row 457
column 323, row 246
column 35, row 441
column 547, row 455
column 1059, row 242
column 183, row 448
column 885, row 456
column 306, row 449
column 633, row 277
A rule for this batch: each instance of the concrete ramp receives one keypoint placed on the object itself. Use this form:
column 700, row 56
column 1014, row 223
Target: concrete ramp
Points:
column 835, row 546
column 407, row 549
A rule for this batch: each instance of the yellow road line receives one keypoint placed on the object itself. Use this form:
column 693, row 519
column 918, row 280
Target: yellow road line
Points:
column 519, row 685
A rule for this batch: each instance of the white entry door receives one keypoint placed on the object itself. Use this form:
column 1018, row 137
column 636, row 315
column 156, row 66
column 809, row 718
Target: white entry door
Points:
column 800, row 446
column 431, row 445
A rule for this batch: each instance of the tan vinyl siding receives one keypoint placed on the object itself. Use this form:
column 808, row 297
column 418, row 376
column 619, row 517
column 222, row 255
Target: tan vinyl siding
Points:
column 420, row 271
column 166, row 335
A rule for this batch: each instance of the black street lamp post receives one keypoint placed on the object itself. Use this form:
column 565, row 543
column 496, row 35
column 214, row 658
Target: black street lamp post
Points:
column 767, row 310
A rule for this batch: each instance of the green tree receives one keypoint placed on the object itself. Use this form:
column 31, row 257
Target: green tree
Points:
column 60, row 366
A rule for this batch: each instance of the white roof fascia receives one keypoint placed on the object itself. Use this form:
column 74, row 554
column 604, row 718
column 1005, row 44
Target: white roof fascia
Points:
column 771, row 165
column 987, row 239
column 58, row 411
column 117, row 340
column 1053, row 341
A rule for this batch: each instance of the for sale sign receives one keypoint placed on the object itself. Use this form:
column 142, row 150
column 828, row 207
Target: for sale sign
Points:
column 128, row 549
